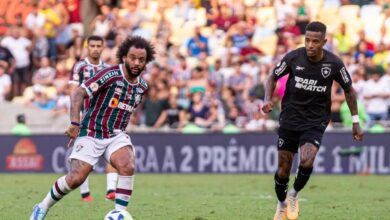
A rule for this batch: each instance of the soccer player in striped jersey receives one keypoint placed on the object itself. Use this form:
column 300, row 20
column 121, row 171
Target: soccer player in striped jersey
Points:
column 115, row 93
column 81, row 72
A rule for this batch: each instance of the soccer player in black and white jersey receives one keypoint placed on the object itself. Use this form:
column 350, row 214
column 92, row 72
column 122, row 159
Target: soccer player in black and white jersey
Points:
column 305, row 112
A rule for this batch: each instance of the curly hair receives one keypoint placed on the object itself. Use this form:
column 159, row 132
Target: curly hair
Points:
column 137, row 42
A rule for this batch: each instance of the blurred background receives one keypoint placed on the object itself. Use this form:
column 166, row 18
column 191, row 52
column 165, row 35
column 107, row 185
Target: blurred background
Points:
column 213, row 57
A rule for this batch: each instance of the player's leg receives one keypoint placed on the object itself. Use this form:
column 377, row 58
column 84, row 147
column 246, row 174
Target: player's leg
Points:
column 120, row 153
column 78, row 172
column 85, row 192
column 123, row 161
column 310, row 142
column 288, row 143
column 112, row 179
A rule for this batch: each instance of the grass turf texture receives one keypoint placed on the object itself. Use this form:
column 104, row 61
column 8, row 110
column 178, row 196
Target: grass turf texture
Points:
column 203, row 197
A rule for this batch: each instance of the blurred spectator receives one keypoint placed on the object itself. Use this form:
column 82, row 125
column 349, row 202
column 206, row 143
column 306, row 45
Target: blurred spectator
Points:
column 52, row 22
column 45, row 74
column 376, row 94
column 7, row 57
column 344, row 40
column 21, row 128
column 173, row 115
column 34, row 20
column 5, row 83
column 303, row 15
column 199, row 113
column 41, row 99
column 153, row 107
column 224, row 18
column 198, row 44
column 41, row 47
column 20, row 48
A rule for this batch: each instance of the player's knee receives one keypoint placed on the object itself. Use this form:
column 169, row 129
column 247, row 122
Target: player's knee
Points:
column 74, row 180
column 283, row 173
column 306, row 162
column 126, row 169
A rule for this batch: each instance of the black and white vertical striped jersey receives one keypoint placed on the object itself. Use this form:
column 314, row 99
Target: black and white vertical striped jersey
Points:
column 307, row 98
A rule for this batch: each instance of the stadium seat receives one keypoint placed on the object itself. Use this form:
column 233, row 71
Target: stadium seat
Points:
column 267, row 45
column 349, row 12
column 266, row 16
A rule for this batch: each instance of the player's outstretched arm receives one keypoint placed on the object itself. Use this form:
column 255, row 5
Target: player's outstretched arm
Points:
column 350, row 97
column 270, row 86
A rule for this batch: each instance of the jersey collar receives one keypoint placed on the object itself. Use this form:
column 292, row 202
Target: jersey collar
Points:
column 100, row 62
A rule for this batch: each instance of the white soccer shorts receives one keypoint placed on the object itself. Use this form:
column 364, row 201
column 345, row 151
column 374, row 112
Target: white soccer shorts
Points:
column 89, row 149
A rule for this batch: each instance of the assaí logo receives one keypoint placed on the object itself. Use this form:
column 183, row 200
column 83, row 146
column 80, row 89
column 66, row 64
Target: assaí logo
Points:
column 24, row 157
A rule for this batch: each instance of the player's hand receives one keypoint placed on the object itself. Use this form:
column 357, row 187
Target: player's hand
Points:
column 72, row 131
column 357, row 132
column 267, row 107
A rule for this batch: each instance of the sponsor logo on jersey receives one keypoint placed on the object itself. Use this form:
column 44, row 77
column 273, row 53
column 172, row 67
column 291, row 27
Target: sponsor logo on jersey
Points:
column 344, row 75
column 325, row 71
column 308, row 85
column 94, row 86
column 280, row 68
column 280, row 142
column 115, row 103
column 316, row 142
column 108, row 76
column 300, row 68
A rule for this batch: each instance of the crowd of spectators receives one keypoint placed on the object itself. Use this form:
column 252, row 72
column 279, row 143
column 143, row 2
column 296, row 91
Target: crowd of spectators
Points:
column 212, row 57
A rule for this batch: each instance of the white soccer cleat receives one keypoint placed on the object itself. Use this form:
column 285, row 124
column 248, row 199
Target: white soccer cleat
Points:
column 292, row 207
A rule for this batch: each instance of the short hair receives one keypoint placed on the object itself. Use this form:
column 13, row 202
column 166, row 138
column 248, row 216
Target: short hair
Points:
column 94, row 38
column 316, row 26
column 137, row 42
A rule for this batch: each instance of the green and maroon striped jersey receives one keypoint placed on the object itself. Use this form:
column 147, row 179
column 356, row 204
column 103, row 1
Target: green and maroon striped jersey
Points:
column 83, row 70
column 113, row 99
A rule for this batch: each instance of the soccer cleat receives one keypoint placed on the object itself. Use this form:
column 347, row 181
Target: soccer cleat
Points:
column 87, row 199
column 110, row 196
column 280, row 213
column 38, row 213
column 292, row 207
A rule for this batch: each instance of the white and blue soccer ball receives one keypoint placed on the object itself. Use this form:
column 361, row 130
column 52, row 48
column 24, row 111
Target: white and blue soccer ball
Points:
column 118, row 215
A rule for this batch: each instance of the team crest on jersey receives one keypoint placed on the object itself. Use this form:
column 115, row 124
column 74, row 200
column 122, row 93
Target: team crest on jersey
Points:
column 280, row 142
column 325, row 71
column 94, row 87
column 120, row 83
column 76, row 77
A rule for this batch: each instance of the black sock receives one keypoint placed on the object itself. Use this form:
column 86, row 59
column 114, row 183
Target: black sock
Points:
column 302, row 177
column 281, row 185
column 110, row 191
column 84, row 195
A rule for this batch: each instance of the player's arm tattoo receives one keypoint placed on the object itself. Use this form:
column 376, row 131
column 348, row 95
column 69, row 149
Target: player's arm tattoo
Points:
column 77, row 99
column 270, row 86
column 350, row 97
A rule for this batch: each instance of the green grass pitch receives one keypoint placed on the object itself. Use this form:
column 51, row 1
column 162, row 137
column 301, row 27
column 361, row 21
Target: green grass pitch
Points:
column 220, row 197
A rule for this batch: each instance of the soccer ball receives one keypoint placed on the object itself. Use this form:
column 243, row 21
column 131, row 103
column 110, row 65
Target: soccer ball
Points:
column 118, row 215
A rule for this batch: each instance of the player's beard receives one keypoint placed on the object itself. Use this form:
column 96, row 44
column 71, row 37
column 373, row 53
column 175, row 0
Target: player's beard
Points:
column 133, row 73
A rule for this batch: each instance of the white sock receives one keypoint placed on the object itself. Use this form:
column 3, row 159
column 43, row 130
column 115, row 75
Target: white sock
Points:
column 84, row 187
column 123, row 191
column 282, row 204
column 58, row 190
column 293, row 192
column 112, row 179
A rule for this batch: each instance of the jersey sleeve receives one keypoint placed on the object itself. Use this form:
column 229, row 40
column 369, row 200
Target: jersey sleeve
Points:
column 75, row 77
column 343, row 78
column 283, row 67
column 97, row 83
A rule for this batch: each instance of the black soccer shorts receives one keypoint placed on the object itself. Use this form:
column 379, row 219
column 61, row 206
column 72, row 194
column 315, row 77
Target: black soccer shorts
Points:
column 291, row 140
